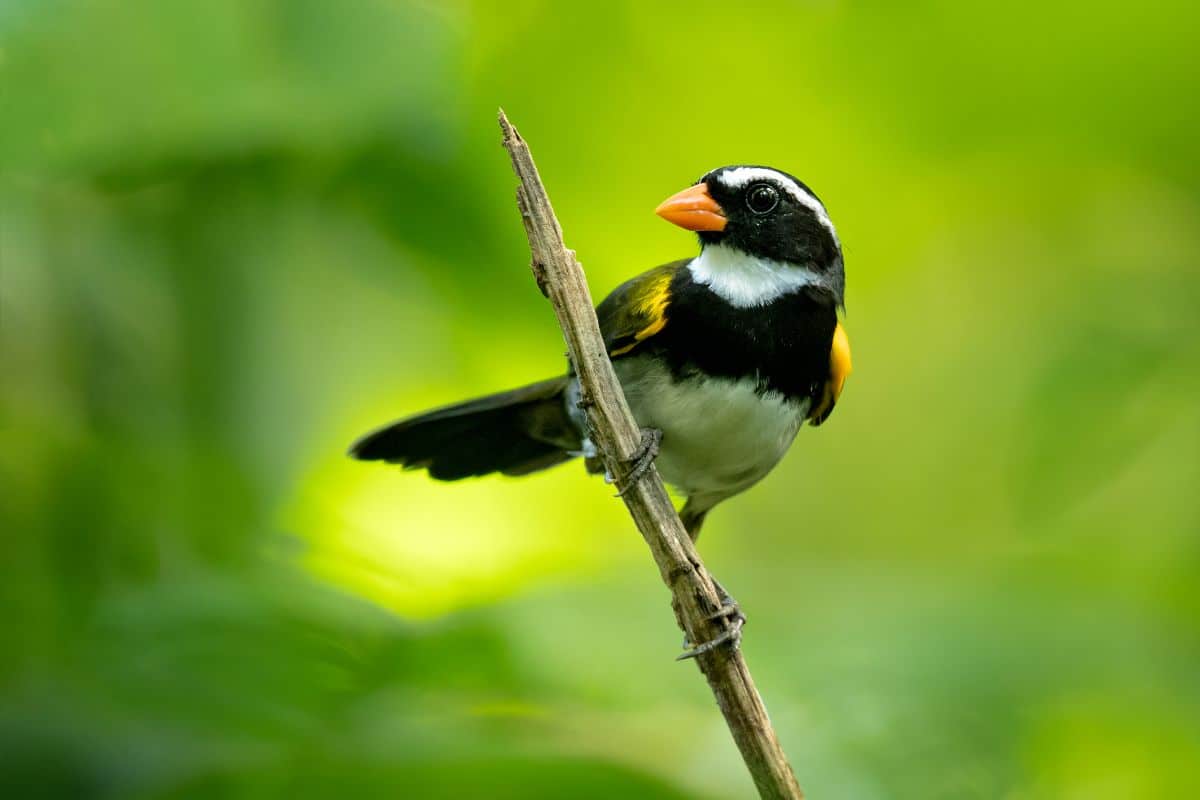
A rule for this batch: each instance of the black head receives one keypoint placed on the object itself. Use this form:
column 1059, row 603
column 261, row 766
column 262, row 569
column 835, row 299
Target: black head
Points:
column 764, row 213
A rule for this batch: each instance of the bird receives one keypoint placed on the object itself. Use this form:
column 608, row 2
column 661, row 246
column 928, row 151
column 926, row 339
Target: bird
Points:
column 722, row 357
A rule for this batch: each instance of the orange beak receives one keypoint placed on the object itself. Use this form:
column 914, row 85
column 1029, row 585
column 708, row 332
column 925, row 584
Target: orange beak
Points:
column 693, row 209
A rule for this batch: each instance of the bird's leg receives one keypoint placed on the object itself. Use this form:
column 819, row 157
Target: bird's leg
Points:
column 732, row 635
column 692, row 520
column 642, row 458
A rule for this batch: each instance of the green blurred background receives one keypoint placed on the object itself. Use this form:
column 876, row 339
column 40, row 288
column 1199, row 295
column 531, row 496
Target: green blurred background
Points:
column 237, row 234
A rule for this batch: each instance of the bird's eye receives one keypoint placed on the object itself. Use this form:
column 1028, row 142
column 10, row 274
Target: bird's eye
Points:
column 762, row 198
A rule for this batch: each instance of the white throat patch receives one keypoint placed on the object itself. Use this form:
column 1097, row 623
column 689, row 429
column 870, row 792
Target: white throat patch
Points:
column 746, row 281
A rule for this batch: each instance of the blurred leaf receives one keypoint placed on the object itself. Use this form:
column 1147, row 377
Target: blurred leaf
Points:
column 153, row 81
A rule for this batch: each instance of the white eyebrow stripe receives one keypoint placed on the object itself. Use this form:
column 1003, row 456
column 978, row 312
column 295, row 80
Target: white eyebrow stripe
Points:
column 739, row 177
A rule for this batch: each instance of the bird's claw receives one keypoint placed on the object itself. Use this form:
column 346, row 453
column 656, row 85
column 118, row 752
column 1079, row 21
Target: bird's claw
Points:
column 732, row 635
column 642, row 459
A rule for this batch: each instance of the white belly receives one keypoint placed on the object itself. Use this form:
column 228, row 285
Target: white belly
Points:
column 719, row 436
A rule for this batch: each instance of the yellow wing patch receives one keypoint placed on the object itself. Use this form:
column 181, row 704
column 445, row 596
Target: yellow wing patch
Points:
column 651, row 305
column 839, row 369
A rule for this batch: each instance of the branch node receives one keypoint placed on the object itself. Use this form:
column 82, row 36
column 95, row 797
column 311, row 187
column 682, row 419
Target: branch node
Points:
column 539, row 275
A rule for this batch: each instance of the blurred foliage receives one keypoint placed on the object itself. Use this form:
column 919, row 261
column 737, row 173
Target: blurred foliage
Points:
column 236, row 234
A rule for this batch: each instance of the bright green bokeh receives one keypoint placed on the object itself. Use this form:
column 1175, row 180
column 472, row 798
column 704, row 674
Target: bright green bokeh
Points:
column 236, row 234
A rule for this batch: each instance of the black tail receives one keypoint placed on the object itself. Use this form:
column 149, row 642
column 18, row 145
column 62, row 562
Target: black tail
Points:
column 515, row 432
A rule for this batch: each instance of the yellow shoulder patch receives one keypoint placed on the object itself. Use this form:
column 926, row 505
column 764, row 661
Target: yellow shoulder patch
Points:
column 839, row 369
column 650, row 305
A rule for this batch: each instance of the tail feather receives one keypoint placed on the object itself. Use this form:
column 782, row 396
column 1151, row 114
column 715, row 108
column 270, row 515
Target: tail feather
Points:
column 514, row 432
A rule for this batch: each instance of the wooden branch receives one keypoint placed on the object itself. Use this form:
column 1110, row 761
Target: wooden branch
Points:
column 617, row 436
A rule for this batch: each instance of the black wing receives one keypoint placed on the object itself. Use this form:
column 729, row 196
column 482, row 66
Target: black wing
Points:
column 637, row 309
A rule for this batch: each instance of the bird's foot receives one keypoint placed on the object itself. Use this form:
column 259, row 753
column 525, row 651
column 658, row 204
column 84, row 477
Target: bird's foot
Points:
column 732, row 635
column 642, row 459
